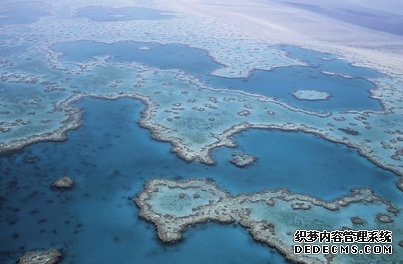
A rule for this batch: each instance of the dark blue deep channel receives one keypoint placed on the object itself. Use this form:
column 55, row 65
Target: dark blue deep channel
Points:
column 110, row 157
column 347, row 94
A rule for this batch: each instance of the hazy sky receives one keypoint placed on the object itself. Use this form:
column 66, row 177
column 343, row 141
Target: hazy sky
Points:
column 391, row 6
column 385, row 15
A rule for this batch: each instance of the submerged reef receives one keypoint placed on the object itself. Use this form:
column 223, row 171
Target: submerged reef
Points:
column 338, row 74
column 399, row 184
column 270, row 215
column 41, row 87
column 194, row 134
column 193, row 126
column 50, row 256
column 45, row 69
column 356, row 220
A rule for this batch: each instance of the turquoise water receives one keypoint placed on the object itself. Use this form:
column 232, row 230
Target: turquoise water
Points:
column 22, row 13
column 303, row 163
column 347, row 94
column 103, row 13
column 110, row 157
column 176, row 56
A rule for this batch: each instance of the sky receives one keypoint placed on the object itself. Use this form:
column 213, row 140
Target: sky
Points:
column 385, row 16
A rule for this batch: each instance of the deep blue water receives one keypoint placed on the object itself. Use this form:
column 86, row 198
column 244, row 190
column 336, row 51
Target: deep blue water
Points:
column 23, row 13
column 103, row 13
column 347, row 94
column 110, row 157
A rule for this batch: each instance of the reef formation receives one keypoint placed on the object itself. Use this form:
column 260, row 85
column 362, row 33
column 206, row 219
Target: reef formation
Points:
column 63, row 183
column 40, row 87
column 50, row 256
column 40, row 106
column 242, row 159
column 270, row 215
column 311, row 95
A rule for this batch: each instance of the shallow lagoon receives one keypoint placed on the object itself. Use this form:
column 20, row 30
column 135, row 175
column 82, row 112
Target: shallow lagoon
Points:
column 176, row 56
column 110, row 157
column 347, row 94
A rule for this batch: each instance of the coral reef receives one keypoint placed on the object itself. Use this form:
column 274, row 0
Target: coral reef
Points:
column 50, row 256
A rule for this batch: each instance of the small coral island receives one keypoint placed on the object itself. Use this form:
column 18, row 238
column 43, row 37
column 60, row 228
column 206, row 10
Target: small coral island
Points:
column 242, row 159
column 311, row 95
column 63, row 183
column 271, row 215
column 50, row 256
